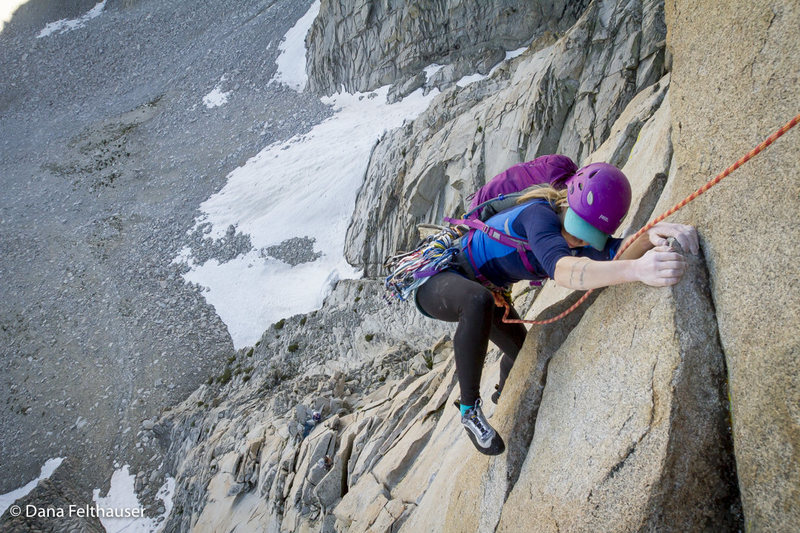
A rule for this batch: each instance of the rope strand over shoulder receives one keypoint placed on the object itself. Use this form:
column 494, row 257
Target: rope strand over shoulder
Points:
column 501, row 301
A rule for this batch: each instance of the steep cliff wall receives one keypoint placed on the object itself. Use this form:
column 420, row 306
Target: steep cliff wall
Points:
column 560, row 96
column 646, row 409
column 370, row 43
column 726, row 98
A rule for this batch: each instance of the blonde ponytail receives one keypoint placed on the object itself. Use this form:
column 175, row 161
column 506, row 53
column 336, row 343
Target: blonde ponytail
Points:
column 557, row 198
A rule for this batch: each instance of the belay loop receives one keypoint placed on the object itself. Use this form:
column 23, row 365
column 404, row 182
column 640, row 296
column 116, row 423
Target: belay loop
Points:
column 409, row 270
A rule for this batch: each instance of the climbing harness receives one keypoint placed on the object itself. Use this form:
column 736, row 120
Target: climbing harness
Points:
column 409, row 270
column 503, row 302
column 474, row 224
column 598, row 195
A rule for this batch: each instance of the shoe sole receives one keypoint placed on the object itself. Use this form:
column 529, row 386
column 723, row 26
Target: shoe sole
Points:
column 496, row 447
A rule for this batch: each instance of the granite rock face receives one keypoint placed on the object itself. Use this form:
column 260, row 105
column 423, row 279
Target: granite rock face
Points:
column 646, row 445
column 366, row 44
column 618, row 417
column 748, row 224
column 560, row 96
column 245, row 449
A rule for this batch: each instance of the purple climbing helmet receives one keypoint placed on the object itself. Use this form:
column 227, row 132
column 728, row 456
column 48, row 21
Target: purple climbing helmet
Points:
column 599, row 196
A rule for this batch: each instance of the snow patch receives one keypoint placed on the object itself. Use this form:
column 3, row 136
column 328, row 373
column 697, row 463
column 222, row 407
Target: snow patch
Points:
column 47, row 470
column 122, row 495
column 515, row 53
column 304, row 187
column 292, row 59
column 7, row 9
column 216, row 97
column 466, row 80
column 432, row 69
column 65, row 25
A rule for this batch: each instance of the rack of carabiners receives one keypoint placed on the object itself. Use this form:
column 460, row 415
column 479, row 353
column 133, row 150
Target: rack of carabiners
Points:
column 409, row 270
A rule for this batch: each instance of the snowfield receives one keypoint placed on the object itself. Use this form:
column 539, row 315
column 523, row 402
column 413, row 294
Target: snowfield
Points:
column 303, row 188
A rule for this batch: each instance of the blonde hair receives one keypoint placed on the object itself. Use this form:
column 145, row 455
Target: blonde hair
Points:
column 558, row 198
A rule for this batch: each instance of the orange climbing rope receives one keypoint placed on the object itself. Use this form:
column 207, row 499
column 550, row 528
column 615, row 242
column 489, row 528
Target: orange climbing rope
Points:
column 501, row 300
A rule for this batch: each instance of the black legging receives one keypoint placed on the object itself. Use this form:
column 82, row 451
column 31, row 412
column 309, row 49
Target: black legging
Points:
column 452, row 297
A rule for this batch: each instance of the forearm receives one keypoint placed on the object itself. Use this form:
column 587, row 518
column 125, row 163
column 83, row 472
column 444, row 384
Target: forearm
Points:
column 582, row 273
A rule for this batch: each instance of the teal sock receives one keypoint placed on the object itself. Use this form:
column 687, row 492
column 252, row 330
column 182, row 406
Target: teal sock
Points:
column 465, row 408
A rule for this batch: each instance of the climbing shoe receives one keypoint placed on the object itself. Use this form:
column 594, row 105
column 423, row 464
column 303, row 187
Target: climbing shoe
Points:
column 496, row 394
column 482, row 435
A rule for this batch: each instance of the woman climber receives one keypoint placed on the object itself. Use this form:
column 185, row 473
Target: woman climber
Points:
column 568, row 232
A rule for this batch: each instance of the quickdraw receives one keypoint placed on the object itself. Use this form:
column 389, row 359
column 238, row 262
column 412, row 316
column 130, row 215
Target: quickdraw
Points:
column 409, row 270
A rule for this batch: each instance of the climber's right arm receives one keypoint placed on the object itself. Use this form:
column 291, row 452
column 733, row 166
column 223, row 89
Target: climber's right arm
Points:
column 658, row 267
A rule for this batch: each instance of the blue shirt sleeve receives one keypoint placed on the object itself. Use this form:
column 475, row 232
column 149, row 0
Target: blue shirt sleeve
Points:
column 541, row 226
column 612, row 247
